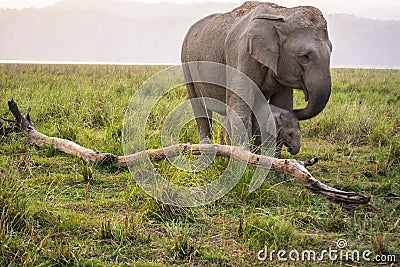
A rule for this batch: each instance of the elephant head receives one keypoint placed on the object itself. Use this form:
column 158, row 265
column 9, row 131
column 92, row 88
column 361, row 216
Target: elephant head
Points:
column 294, row 44
column 288, row 128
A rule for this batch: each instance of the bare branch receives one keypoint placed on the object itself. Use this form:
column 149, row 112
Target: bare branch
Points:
column 292, row 167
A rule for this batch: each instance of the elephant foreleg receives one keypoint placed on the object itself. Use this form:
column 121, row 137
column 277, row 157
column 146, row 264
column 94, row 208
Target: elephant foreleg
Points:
column 239, row 117
column 283, row 99
column 256, row 138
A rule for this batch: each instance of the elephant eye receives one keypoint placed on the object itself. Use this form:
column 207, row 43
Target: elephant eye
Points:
column 305, row 59
column 291, row 135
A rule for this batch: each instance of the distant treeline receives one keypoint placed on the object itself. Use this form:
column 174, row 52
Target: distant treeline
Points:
column 152, row 33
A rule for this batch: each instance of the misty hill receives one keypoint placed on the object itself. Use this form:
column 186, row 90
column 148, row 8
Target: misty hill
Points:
column 364, row 42
column 117, row 31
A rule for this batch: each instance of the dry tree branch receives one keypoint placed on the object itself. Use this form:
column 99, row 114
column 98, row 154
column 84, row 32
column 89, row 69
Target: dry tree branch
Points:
column 292, row 167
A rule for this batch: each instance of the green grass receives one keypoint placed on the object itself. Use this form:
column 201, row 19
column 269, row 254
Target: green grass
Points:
column 57, row 210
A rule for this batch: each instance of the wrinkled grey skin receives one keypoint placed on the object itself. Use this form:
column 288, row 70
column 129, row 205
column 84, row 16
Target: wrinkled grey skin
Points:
column 288, row 130
column 279, row 48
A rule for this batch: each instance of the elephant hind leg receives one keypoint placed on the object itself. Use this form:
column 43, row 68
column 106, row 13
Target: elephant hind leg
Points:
column 202, row 115
column 204, row 123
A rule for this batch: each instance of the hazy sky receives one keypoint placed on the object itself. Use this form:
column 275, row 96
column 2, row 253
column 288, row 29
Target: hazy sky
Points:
column 383, row 9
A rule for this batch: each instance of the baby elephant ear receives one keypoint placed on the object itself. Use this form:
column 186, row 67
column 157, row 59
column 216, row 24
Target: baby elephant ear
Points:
column 279, row 119
column 263, row 40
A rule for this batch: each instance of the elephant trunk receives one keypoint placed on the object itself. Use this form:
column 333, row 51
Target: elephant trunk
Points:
column 294, row 150
column 318, row 95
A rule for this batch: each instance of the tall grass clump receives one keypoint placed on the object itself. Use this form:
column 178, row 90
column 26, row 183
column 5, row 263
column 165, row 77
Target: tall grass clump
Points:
column 354, row 124
column 363, row 109
column 14, row 216
column 263, row 228
column 180, row 242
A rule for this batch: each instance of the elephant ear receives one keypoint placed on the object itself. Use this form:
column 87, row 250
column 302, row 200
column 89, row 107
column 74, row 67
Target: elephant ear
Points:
column 263, row 40
column 279, row 119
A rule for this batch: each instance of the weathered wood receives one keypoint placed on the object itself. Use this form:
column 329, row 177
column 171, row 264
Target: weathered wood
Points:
column 291, row 167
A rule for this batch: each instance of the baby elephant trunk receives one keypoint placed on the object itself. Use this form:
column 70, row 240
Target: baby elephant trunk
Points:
column 294, row 148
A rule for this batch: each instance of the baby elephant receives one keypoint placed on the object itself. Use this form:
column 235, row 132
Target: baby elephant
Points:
column 288, row 130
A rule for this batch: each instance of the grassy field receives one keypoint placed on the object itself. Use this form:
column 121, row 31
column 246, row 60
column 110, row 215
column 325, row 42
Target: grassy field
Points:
column 56, row 210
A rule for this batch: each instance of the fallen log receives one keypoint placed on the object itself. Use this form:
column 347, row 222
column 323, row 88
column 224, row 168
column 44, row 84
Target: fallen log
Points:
column 291, row 167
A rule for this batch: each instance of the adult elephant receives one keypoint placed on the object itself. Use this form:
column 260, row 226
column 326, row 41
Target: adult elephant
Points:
column 278, row 48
